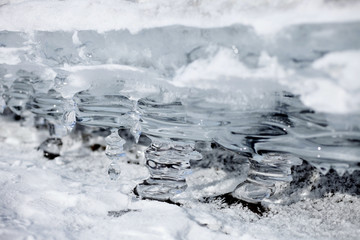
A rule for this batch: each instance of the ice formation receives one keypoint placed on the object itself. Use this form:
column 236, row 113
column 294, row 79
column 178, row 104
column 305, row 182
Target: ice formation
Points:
column 271, row 98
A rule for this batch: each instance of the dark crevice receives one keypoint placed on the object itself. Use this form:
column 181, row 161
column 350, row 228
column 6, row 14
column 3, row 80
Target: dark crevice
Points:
column 120, row 213
column 229, row 200
column 50, row 156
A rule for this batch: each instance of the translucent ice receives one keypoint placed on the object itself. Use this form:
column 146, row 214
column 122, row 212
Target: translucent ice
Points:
column 2, row 100
column 179, row 85
column 114, row 149
column 19, row 95
column 114, row 171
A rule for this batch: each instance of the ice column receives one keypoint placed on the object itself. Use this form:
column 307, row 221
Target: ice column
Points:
column 168, row 163
column 267, row 172
column 168, row 157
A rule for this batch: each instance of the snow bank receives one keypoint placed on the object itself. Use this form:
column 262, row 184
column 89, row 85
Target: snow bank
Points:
column 266, row 16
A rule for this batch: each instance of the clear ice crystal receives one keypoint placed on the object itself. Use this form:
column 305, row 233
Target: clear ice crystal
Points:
column 252, row 192
column 135, row 129
column 2, row 100
column 160, row 189
column 2, row 105
column 51, row 147
column 265, row 172
column 169, row 165
column 69, row 115
column 115, row 152
column 115, row 146
column 114, row 171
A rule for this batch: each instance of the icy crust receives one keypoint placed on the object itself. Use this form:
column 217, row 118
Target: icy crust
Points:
column 66, row 198
column 317, row 61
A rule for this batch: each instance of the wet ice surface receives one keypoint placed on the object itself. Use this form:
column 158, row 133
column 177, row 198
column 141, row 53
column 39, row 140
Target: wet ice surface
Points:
column 72, row 198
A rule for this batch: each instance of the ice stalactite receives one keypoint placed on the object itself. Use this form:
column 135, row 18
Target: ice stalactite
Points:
column 169, row 164
column 115, row 152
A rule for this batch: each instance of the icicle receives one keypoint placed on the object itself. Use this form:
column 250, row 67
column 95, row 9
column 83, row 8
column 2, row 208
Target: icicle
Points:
column 114, row 171
column 115, row 152
column 69, row 117
column 2, row 100
column 135, row 128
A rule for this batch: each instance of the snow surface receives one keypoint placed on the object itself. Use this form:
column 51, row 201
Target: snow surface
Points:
column 265, row 15
column 72, row 198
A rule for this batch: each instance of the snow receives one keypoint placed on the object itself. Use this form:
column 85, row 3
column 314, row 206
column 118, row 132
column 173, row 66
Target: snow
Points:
column 266, row 16
column 71, row 197
column 338, row 90
column 9, row 56
column 343, row 68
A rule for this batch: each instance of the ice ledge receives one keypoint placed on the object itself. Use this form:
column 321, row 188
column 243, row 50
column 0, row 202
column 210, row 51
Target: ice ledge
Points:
column 265, row 16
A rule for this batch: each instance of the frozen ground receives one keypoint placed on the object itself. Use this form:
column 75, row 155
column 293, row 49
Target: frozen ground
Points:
column 72, row 198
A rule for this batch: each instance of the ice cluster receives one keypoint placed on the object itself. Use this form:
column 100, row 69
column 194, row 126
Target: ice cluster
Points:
column 183, row 92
